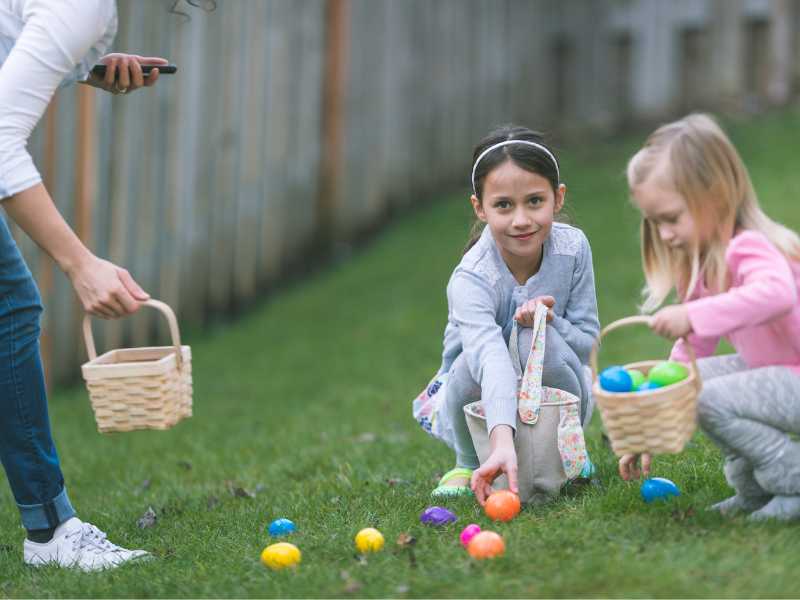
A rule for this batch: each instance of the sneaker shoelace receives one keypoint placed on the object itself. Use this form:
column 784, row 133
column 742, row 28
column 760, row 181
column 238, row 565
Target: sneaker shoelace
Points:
column 90, row 538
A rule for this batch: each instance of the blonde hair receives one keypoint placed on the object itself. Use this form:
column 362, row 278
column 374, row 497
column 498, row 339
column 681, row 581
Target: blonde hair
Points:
column 705, row 169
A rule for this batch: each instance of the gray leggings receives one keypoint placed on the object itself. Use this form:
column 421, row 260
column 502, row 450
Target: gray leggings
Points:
column 561, row 370
column 752, row 414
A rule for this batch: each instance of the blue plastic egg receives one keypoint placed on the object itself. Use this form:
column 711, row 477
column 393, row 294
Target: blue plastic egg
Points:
column 648, row 385
column 658, row 488
column 281, row 527
column 616, row 379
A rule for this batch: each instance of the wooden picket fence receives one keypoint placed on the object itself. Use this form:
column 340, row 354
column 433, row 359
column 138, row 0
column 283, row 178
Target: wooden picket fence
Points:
column 293, row 125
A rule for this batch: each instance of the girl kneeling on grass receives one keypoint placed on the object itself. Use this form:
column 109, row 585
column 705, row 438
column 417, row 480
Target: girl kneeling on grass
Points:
column 521, row 258
column 738, row 273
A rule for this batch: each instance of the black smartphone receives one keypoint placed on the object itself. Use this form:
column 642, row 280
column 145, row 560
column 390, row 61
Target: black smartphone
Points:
column 100, row 70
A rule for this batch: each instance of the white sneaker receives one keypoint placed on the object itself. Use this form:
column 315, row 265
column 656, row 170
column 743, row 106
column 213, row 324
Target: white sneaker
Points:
column 79, row 545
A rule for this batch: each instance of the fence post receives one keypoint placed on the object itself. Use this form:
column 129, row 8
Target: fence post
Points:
column 337, row 14
column 85, row 180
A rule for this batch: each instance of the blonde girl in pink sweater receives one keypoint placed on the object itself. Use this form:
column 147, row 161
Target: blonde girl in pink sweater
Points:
column 737, row 273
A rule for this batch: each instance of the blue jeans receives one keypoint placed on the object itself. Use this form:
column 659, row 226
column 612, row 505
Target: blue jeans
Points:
column 27, row 450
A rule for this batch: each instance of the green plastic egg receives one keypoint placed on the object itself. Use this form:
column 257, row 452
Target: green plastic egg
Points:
column 667, row 373
column 637, row 378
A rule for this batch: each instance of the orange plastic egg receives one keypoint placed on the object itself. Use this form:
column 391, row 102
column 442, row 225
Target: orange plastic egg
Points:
column 487, row 544
column 502, row 506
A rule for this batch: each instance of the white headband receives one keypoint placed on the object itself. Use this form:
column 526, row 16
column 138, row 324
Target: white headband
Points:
column 506, row 143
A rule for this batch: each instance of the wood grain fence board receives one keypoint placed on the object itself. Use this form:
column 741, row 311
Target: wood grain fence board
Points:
column 278, row 137
column 209, row 186
column 266, row 264
column 250, row 167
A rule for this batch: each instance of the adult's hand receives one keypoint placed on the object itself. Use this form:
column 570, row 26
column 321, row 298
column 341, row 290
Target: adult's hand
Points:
column 106, row 290
column 124, row 72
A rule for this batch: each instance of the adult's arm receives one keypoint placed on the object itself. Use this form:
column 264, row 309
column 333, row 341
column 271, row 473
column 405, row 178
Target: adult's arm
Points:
column 104, row 289
column 55, row 37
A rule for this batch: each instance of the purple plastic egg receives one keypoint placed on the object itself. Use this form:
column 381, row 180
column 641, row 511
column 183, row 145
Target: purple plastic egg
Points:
column 437, row 516
column 469, row 532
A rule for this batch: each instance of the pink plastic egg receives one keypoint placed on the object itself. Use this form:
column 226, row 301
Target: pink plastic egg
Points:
column 469, row 532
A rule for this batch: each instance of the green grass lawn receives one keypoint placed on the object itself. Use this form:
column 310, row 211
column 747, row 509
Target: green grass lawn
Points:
column 305, row 403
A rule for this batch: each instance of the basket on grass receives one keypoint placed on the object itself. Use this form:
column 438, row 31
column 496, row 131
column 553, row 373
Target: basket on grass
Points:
column 139, row 388
column 658, row 421
column 549, row 438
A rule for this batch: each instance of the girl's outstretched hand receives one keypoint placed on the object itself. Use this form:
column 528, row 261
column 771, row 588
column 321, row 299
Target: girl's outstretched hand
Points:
column 629, row 466
column 503, row 459
column 525, row 313
column 671, row 322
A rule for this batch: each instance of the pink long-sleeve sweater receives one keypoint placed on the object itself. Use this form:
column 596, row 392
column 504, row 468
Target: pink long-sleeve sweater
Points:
column 759, row 314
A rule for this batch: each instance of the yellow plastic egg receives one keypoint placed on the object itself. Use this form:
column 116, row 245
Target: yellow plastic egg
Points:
column 369, row 540
column 281, row 555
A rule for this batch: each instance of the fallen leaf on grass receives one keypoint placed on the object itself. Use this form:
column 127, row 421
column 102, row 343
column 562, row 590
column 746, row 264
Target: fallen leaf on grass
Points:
column 404, row 540
column 682, row 515
column 406, row 543
column 238, row 491
column 148, row 519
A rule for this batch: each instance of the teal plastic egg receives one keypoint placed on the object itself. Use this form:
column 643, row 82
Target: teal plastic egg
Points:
column 648, row 385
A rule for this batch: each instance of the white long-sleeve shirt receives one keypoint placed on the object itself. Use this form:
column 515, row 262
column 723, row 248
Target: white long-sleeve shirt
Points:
column 43, row 44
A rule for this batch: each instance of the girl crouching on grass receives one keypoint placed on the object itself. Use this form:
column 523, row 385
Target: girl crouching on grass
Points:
column 737, row 273
column 520, row 258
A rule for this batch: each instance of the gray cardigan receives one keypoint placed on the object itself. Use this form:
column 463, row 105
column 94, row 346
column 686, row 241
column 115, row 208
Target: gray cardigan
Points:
column 482, row 297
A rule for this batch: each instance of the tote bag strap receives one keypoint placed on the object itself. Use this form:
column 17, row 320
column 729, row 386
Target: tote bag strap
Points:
column 529, row 393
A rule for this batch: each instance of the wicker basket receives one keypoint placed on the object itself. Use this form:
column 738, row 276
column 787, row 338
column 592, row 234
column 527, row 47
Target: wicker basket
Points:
column 139, row 388
column 658, row 421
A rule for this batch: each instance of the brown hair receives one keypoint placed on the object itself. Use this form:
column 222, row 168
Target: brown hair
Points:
column 524, row 156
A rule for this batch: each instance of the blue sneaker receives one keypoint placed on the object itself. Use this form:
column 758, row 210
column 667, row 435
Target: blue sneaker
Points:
column 588, row 470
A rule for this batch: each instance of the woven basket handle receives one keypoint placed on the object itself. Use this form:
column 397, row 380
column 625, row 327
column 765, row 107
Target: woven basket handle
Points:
column 635, row 320
column 157, row 304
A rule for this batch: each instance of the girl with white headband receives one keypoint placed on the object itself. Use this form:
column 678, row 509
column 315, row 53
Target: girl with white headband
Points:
column 518, row 257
